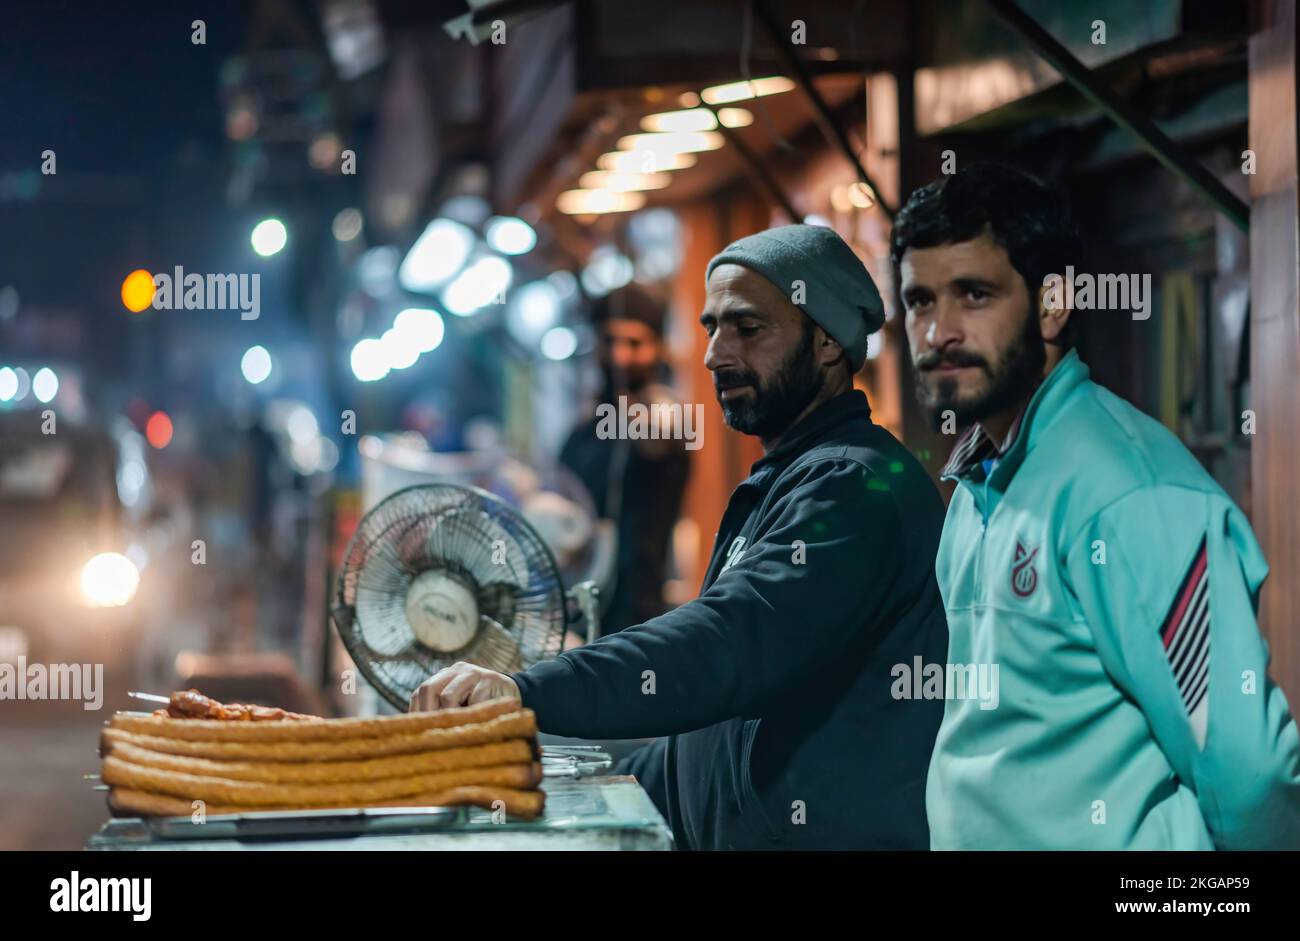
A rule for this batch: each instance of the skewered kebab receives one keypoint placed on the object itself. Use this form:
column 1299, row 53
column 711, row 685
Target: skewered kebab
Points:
column 191, row 704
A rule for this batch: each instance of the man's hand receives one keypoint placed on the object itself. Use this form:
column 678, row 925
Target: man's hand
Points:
column 462, row 684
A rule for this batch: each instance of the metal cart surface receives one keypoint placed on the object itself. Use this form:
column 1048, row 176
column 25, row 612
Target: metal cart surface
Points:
column 609, row 812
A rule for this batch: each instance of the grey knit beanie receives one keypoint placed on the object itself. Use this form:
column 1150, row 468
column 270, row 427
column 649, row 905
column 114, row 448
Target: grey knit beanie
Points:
column 820, row 274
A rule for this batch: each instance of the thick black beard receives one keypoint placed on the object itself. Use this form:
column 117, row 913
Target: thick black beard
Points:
column 775, row 405
column 1012, row 381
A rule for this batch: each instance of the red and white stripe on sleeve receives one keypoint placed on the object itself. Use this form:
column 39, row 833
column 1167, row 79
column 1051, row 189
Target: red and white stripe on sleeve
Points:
column 1186, row 638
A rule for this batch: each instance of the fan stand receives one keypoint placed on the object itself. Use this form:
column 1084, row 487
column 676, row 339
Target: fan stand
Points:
column 587, row 596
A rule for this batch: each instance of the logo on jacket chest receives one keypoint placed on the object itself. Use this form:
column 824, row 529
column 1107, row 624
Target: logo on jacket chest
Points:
column 734, row 552
column 1024, row 577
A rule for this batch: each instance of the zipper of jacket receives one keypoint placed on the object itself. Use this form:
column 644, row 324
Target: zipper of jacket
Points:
column 979, row 550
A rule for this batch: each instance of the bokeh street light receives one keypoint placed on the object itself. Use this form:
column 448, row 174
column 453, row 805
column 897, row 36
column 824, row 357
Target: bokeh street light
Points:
column 45, row 384
column 256, row 364
column 137, row 290
column 269, row 236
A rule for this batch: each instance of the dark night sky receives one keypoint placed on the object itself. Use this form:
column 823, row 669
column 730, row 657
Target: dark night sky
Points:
column 132, row 109
column 117, row 86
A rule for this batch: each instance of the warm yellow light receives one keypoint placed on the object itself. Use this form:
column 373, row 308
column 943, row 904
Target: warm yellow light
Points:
column 644, row 161
column 109, row 580
column 680, row 142
column 861, row 196
column 696, row 119
column 740, row 91
column 137, row 290
column 735, row 117
column 623, row 182
column 585, row 202
column 688, row 99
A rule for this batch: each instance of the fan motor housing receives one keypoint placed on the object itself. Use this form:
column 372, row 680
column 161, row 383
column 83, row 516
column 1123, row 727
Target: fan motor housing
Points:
column 442, row 610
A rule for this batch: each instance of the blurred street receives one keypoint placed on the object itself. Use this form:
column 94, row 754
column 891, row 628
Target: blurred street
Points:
column 47, row 748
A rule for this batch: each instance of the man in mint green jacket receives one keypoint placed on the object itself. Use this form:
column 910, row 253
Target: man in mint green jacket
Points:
column 1088, row 564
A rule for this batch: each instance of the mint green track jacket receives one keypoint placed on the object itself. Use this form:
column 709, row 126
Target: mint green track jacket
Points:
column 1112, row 585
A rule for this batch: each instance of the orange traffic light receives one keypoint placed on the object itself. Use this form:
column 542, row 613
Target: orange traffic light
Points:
column 137, row 290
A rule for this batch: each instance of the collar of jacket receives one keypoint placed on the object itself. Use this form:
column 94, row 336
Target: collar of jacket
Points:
column 974, row 447
column 817, row 425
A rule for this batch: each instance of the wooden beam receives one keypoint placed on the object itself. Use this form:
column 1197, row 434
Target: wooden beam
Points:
column 1275, row 334
column 1159, row 144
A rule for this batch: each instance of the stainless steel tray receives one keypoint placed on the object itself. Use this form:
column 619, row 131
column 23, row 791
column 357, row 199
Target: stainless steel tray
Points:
column 292, row 825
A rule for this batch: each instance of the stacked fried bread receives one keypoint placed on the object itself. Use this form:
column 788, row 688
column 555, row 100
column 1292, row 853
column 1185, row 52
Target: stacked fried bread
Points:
column 160, row 765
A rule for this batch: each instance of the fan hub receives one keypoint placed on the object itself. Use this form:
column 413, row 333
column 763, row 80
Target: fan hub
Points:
column 442, row 611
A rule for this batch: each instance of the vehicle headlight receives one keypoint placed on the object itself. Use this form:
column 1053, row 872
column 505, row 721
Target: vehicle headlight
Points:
column 109, row 580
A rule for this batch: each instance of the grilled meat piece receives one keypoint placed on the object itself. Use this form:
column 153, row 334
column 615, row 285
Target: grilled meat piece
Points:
column 191, row 704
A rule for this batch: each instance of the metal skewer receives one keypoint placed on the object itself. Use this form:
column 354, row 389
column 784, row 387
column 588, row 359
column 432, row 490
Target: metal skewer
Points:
column 150, row 697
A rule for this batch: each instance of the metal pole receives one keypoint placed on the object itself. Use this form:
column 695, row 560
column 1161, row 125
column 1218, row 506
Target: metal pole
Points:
column 1160, row 145
column 759, row 173
column 825, row 120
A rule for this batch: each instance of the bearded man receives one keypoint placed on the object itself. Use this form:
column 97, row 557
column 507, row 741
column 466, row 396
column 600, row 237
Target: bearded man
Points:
column 1088, row 556
column 773, row 690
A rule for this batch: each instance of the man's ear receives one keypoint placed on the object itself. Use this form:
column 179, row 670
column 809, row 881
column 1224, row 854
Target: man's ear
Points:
column 829, row 350
column 1051, row 320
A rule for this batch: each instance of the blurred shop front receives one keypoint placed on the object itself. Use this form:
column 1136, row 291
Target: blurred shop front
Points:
column 576, row 86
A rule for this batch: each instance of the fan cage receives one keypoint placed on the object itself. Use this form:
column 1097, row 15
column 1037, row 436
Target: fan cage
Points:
column 536, row 606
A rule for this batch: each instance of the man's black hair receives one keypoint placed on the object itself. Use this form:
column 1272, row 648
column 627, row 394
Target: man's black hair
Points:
column 1027, row 217
column 630, row 302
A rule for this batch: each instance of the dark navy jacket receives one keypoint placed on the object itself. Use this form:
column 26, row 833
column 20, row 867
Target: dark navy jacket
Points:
column 772, row 688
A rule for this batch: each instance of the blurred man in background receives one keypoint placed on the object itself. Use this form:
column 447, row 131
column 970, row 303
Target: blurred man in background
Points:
column 636, row 483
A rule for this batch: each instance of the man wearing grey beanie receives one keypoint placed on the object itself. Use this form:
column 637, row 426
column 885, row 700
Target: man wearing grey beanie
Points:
column 786, row 698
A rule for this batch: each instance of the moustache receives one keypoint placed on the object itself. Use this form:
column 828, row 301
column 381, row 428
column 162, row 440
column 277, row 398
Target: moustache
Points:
column 730, row 379
column 953, row 357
